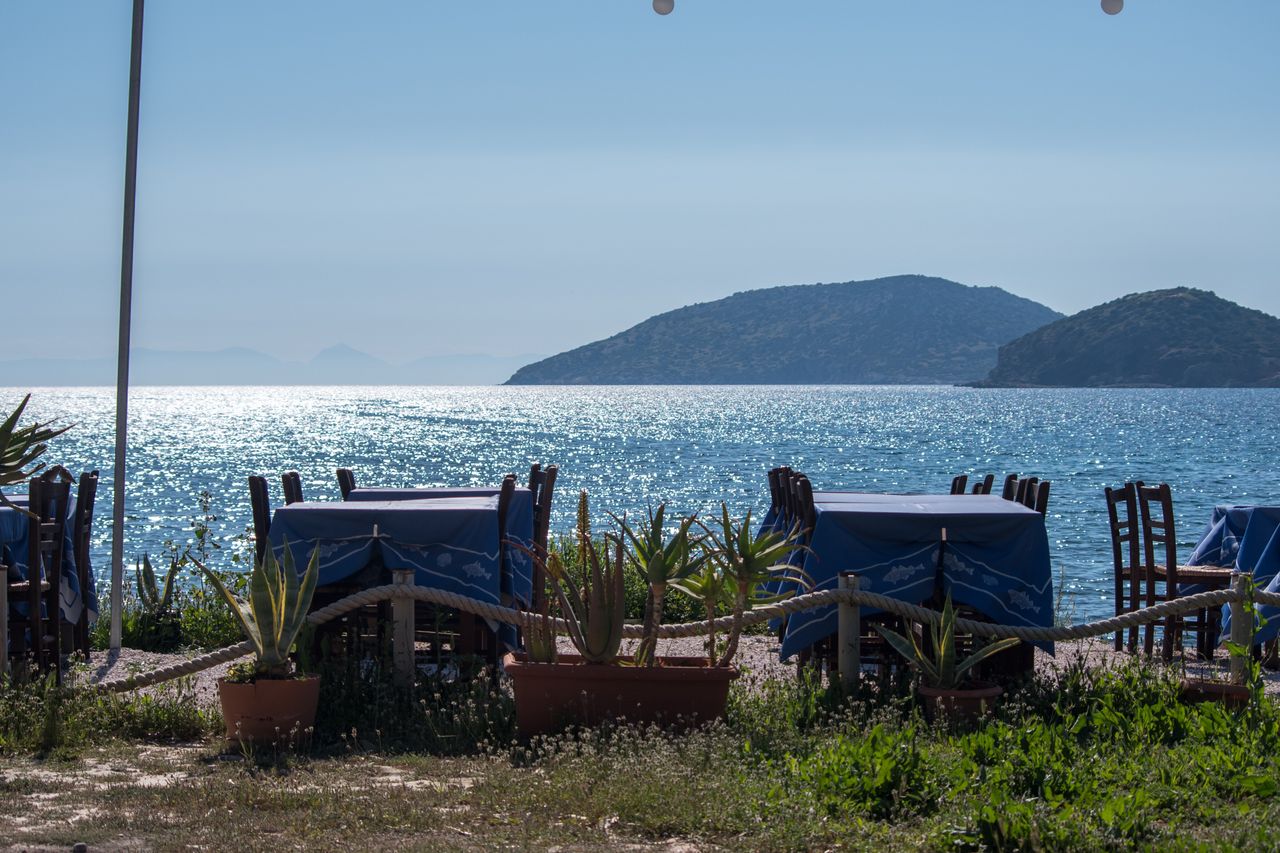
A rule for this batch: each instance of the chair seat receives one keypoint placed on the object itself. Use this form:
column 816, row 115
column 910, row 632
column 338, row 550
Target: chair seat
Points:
column 24, row 587
column 1215, row 577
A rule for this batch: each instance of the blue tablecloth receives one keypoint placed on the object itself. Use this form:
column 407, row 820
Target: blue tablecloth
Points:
column 15, row 541
column 1246, row 538
column 451, row 543
column 995, row 557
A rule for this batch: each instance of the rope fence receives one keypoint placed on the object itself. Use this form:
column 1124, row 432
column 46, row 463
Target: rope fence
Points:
column 850, row 599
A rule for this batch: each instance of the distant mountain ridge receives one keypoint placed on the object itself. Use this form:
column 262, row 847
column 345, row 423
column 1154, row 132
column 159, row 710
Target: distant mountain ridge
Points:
column 335, row 365
column 908, row 329
column 1180, row 337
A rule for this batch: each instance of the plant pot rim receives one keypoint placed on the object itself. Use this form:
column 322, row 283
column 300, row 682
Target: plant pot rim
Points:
column 1210, row 685
column 571, row 666
column 295, row 677
column 976, row 690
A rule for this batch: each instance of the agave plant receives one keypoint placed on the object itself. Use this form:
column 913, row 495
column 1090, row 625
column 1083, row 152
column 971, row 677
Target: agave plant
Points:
column 20, row 447
column 276, row 609
column 748, row 562
column 942, row 670
column 661, row 561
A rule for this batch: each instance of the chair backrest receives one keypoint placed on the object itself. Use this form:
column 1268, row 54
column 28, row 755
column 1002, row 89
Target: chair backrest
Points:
column 807, row 509
column 958, row 484
column 1010, row 490
column 346, row 482
column 1126, row 551
column 1026, row 486
column 1038, row 498
column 1159, row 540
column 542, row 484
column 983, row 486
column 292, row 484
column 260, row 502
column 775, row 489
column 82, row 538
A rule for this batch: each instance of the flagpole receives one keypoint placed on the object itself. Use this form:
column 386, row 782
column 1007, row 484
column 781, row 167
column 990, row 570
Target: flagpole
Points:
column 126, row 310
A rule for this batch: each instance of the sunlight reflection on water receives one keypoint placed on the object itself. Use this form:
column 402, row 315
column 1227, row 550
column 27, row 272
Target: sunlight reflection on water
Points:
column 690, row 446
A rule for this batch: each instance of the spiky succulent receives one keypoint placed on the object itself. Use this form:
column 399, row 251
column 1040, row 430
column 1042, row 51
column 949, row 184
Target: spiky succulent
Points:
column 942, row 670
column 156, row 597
column 595, row 612
column 661, row 560
column 20, row 447
column 276, row 610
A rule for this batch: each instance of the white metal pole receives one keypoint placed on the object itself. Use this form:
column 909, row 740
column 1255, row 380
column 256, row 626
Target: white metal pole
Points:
column 126, row 310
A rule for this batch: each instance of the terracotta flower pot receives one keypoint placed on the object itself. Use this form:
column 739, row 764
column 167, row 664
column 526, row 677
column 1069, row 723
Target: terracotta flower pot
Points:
column 269, row 709
column 1194, row 690
column 960, row 705
column 679, row 691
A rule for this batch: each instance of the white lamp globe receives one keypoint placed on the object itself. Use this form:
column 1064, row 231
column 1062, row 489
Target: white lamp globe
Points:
column 664, row 7
column 1112, row 7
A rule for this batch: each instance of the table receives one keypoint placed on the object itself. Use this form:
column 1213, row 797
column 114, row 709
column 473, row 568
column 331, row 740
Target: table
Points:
column 1246, row 538
column 450, row 543
column 990, row 554
column 14, row 543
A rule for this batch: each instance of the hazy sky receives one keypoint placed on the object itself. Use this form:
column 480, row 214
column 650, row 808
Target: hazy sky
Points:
column 421, row 178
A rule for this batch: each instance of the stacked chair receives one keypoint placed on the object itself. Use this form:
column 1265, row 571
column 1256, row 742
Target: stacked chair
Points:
column 1144, row 556
column 31, row 615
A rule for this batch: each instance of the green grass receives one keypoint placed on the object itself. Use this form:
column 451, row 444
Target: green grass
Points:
column 1080, row 760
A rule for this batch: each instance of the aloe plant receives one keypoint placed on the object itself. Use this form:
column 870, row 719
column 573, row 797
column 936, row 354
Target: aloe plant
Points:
column 707, row 586
column 20, row 447
column 748, row 561
column 661, row 560
column 942, row 670
column 594, row 610
column 276, row 610
column 155, row 598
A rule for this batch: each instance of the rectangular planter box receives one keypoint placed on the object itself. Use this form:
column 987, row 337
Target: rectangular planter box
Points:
column 677, row 691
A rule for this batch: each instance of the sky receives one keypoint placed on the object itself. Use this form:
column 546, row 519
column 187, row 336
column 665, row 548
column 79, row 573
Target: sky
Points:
column 429, row 178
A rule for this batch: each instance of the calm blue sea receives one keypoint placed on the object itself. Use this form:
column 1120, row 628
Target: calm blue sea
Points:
column 691, row 447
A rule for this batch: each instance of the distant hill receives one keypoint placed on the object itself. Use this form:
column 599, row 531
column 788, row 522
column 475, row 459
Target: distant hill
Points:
column 1180, row 338
column 336, row 365
column 899, row 330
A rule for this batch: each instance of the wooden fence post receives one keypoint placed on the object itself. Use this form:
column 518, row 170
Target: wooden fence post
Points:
column 403, row 629
column 4, row 626
column 1241, row 625
column 849, row 635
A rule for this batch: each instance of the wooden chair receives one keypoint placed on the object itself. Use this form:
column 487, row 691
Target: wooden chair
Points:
column 1026, row 486
column 260, row 503
column 35, row 637
column 1160, row 563
column 959, row 483
column 1037, row 498
column 292, row 484
column 775, row 489
column 1010, row 489
column 1126, row 558
column 82, row 538
column 983, row 486
column 542, row 484
column 346, row 482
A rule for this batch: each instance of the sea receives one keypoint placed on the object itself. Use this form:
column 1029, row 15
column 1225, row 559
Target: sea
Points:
column 689, row 447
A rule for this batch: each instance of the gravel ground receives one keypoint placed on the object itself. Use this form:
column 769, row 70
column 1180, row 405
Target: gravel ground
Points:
column 756, row 653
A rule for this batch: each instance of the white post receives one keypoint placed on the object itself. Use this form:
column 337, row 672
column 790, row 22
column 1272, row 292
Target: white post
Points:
column 122, row 345
column 849, row 635
column 402, row 638
column 1241, row 626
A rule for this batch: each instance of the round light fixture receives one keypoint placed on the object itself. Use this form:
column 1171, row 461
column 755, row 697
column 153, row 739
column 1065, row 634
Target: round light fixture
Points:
column 664, row 7
column 1111, row 7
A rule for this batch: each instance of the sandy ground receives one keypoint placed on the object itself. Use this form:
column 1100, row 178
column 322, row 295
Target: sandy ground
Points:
column 758, row 654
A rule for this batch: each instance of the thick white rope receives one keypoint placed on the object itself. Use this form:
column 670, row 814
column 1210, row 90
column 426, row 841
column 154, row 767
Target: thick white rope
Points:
column 525, row 619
